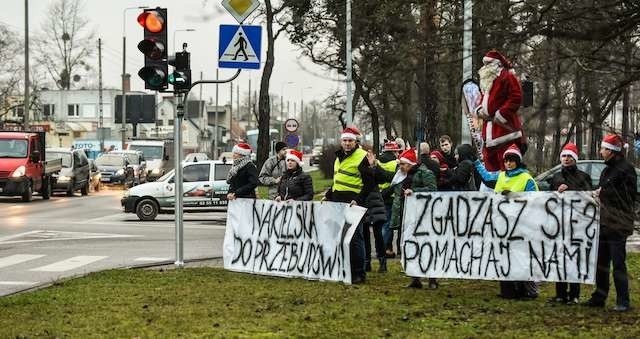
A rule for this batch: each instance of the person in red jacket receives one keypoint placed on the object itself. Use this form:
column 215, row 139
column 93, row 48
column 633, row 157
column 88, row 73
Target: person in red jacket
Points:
column 500, row 100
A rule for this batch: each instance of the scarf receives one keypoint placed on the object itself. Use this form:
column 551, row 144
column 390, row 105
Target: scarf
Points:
column 237, row 165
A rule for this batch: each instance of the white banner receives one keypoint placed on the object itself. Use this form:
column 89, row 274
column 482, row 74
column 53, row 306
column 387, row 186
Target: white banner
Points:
column 529, row 236
column 297, row 239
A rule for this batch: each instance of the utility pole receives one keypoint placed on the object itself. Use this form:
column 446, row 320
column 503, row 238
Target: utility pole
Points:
column 26, row 66
column 349, row 118
column 100, row 119
column 215, row 138
column 231, row 111
column 238, row 101
column 249, row 102
column 467, row 63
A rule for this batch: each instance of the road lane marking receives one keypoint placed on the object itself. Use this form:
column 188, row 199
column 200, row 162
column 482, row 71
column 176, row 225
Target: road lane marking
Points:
column 69, row 264
column 151, row 259
column 17, row 259
column 44, row 235
column 14, row 283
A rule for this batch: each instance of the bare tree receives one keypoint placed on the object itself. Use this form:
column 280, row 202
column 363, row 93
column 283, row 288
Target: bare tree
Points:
column 66, row 43
column 11, row 68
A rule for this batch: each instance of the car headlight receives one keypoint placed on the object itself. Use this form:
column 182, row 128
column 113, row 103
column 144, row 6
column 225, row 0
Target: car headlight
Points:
column 64, row 178
column 19, row 172
column 120, row 172
column 156, row 171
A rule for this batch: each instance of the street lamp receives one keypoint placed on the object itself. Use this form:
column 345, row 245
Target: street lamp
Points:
column 173, row 43
column 124, row 70
column 282, row 107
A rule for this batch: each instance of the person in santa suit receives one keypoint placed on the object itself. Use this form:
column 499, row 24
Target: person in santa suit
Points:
column 501, row 97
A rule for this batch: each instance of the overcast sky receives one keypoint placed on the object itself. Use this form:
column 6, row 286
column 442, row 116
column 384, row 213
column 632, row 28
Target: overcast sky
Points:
column 205, row 16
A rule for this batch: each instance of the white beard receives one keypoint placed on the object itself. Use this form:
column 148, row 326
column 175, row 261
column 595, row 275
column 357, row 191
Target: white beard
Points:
column 488, row 73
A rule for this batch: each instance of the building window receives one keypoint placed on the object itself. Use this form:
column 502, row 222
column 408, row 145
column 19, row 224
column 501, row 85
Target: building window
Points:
column 18, row 111
column 170, row 122
column 73, row 110
column 49, row 110
column 158, row 122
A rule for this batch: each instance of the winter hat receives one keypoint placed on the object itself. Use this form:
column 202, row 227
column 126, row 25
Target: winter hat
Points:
column 571, row 150
column 441, row 161
column 391, row 146
column 350, row 132
column 280, row 145
column 495, row 55
column 294, row 155
column 408, row 157
column 612, row 142
column 513, row 150
column 242, row 149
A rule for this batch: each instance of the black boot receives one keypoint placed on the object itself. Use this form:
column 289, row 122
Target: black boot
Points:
column 383, row 265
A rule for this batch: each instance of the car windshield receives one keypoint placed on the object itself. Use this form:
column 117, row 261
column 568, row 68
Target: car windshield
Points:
column 166, row 177
column 110, row 160
column 13, row 148
column 66, row 158
column 149, row 152
column 133, row 158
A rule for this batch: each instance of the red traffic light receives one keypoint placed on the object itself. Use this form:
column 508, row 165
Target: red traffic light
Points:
column 152, row 21
column 152, row 48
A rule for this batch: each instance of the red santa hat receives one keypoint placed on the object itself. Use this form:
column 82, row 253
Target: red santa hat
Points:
column 612, row 142
column 495, row 55
column 391, row 146
column 514, row 150
column 242, row 149
column 294, row 155
column 571, row 150
column 408, row 157
column 350, row 132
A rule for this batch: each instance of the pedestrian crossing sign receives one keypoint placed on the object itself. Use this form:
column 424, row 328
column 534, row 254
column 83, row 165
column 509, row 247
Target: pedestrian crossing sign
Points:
column 239, row 46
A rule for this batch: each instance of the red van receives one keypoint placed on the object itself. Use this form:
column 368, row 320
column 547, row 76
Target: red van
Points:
column 23, row 169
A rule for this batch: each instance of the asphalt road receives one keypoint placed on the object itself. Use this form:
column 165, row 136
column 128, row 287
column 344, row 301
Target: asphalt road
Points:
column 65, row 236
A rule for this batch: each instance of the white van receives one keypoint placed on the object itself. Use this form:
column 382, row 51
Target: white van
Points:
column 205, row 188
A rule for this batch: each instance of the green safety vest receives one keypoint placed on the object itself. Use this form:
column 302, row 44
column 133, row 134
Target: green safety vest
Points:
column 346, row 176
column 513, row 184
column 389, row 166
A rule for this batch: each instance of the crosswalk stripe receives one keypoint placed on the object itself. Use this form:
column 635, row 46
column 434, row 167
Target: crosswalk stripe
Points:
column 151, row 259
column 69, row 264
column 14, row 283
column 17, row 259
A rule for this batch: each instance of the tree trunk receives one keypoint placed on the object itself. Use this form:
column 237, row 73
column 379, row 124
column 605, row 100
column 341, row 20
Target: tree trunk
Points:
column 264, row 106
column 373, row 111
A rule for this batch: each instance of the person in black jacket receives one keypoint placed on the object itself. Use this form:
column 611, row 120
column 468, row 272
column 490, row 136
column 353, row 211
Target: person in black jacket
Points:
column 569, row 178
column 243, row 175
column 295, row 184
column 617, row 195
column 462, row 177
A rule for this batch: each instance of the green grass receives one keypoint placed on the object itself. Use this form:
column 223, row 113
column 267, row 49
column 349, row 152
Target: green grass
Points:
column 320, row 184
column 212, row 302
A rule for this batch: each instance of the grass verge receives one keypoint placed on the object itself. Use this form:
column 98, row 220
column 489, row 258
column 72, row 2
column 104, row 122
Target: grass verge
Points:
column 320, row 184
column 205, row 302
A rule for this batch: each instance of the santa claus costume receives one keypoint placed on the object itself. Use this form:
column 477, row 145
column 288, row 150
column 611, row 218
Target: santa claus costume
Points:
column 500, row 100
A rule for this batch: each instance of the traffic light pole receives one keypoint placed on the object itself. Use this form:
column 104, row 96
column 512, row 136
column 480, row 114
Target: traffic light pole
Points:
column 177, row 135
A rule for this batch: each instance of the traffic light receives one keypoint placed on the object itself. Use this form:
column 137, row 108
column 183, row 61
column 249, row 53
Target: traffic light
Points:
column 154, row 47
column 181, row 76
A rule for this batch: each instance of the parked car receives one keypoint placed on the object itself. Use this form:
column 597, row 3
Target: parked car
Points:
column 226, row 157
column 205, row 188
column 137, row 162
column 115, row 169
column 75, row 173
column 196, row 157
column 594, row 169
column 94, row 181
column 316, row 154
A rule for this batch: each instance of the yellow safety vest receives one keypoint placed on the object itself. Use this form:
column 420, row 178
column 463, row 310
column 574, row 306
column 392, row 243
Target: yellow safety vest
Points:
column 346, row 176
column 389, row 166
column 513, row 184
